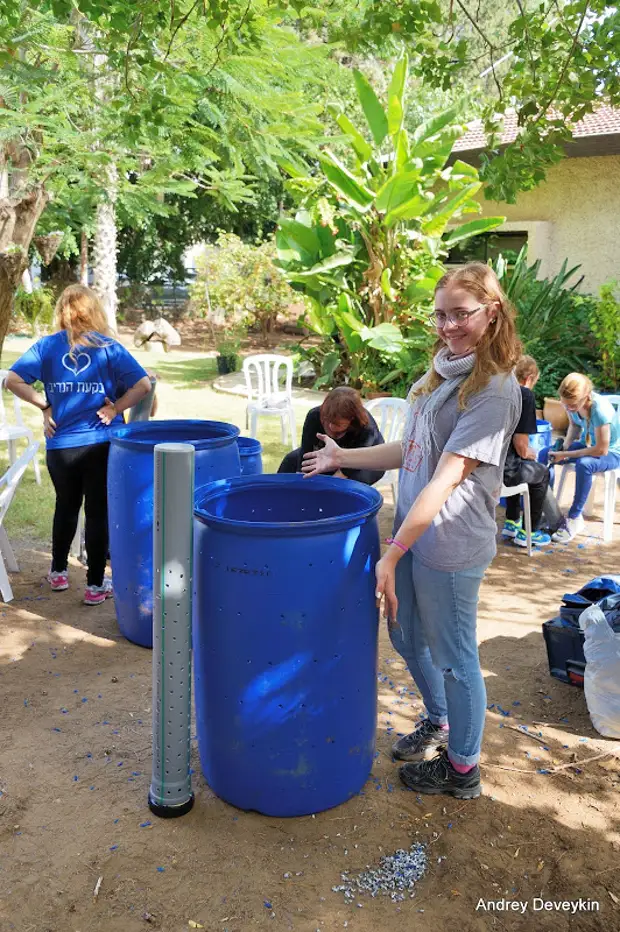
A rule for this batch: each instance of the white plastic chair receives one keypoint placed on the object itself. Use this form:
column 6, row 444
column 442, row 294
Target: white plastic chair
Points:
column 611, row 478
column 8, row 486
column 524, row 490
column 390, row 415
column 265, row 394
column 10, row 433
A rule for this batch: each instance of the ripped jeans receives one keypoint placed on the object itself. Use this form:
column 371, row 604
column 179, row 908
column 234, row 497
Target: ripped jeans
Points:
column 436, row 637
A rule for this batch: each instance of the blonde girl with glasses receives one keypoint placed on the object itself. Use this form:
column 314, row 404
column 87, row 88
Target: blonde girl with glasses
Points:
column 463, row 413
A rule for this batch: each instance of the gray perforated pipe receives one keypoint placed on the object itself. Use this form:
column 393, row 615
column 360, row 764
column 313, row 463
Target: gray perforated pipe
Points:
column 171, row 793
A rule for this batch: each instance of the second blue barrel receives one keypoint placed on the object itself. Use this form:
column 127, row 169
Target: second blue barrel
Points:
column 130, row 506
column 250, row 454
column 285, row 640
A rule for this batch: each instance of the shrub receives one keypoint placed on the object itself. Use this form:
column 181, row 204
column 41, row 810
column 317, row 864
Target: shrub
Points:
column 36, row 308
column 241, row 284
column 605, row 323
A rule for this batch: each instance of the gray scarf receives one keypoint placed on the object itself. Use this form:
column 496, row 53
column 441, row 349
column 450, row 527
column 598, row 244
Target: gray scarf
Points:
column 425, row 408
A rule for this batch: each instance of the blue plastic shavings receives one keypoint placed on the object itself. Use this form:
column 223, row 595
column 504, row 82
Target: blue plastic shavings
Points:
column 542, row 770
column 516, row 702
column 113, row 847
column 75, row 778
column 56, row 729
column 268, row 905
column 116, row 820
column 84, row 699
column 145, row 824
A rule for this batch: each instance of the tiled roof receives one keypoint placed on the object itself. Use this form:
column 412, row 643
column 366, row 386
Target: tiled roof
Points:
column 604, row 121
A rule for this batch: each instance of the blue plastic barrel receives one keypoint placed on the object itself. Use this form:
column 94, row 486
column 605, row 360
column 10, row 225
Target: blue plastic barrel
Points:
column 543, row 436
column 250, row 451
column 130, row 506
column 285, row 640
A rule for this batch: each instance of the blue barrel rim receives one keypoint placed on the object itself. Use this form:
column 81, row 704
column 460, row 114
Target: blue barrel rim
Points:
column 222, row 434
column 249, row 446
column 219, row 488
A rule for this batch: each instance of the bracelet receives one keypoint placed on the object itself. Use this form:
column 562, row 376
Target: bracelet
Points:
column 397, row 543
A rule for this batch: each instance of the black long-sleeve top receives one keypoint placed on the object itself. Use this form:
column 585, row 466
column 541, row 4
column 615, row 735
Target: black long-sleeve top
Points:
column 369, row 436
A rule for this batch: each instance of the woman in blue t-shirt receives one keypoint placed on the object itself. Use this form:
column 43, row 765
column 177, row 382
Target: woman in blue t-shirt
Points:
column 592, row 444
column 81, row 367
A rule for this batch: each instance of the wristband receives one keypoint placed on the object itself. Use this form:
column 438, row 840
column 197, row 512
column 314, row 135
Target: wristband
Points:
column 46, row 408
column 397, row 543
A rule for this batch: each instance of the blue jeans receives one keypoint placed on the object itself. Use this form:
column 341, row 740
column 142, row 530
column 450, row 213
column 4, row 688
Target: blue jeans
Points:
column 586, row 468
column 436, row 637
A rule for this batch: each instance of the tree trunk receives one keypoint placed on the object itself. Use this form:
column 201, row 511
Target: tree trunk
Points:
column 104, row 258
column 84, row 258
column 19, row 215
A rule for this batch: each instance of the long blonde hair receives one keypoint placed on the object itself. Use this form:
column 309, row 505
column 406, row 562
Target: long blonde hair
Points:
column 575, row 387
column 80, row 313
column 499, row 348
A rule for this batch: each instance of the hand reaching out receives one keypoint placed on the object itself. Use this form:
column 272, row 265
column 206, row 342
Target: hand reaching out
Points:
column 324, row 460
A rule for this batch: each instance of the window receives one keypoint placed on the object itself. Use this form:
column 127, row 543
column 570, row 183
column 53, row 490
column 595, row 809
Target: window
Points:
column 488, row 246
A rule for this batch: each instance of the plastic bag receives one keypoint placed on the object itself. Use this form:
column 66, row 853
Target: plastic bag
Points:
column 602, row 674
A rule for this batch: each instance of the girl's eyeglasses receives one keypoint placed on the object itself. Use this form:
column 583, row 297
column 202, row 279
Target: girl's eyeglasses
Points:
column 440, row 318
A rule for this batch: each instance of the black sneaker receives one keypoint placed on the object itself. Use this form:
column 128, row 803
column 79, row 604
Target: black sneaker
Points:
column 439, row 776
column 422, row 743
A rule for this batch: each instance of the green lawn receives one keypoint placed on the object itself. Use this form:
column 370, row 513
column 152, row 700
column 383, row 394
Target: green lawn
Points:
column 184, row 391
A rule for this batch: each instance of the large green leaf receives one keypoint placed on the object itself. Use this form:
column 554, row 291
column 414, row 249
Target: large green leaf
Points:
column 438, row 149
column 373, row 111
column 397, row 190
column 363, row 149
column 401, row 155
column 472, row 228
column 318, row 319
column 396, row 92
column 336, row 261
column 348, row 323
column 330, row 363
column 384, row 337
column 412, row 209
column 432, row 127
column 438, row 219
column 299, row 238
column 399, row 79
column 350, row 187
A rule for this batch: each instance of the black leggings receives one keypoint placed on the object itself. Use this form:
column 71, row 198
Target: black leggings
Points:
column 80, row 474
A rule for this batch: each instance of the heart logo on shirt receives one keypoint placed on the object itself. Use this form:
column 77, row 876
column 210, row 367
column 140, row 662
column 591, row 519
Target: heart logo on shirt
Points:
column 75, row 364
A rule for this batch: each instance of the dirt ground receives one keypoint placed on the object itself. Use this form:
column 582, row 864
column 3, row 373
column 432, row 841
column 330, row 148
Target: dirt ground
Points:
column 75, row 770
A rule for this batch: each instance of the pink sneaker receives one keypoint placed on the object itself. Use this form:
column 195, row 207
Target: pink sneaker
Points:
column 95, row 595
column 59, row 581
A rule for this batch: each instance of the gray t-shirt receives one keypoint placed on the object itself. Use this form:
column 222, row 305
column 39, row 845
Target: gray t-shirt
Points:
column 462, row 535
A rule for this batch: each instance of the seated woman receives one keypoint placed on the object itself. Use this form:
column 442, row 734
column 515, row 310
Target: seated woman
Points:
column 343, row 417
column 521, row 466
column 597, row 425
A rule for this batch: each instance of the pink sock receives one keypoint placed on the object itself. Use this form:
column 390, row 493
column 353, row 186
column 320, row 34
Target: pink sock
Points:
column 445, row 727
column 461, row 768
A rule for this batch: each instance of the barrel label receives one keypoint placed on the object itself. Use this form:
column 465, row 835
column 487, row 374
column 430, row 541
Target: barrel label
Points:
column 247, row 571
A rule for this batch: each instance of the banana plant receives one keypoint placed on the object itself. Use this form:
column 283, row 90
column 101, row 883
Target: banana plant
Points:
column 375, row 226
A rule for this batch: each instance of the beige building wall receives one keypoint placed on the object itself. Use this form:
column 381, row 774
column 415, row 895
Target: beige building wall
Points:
column 574, row 215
